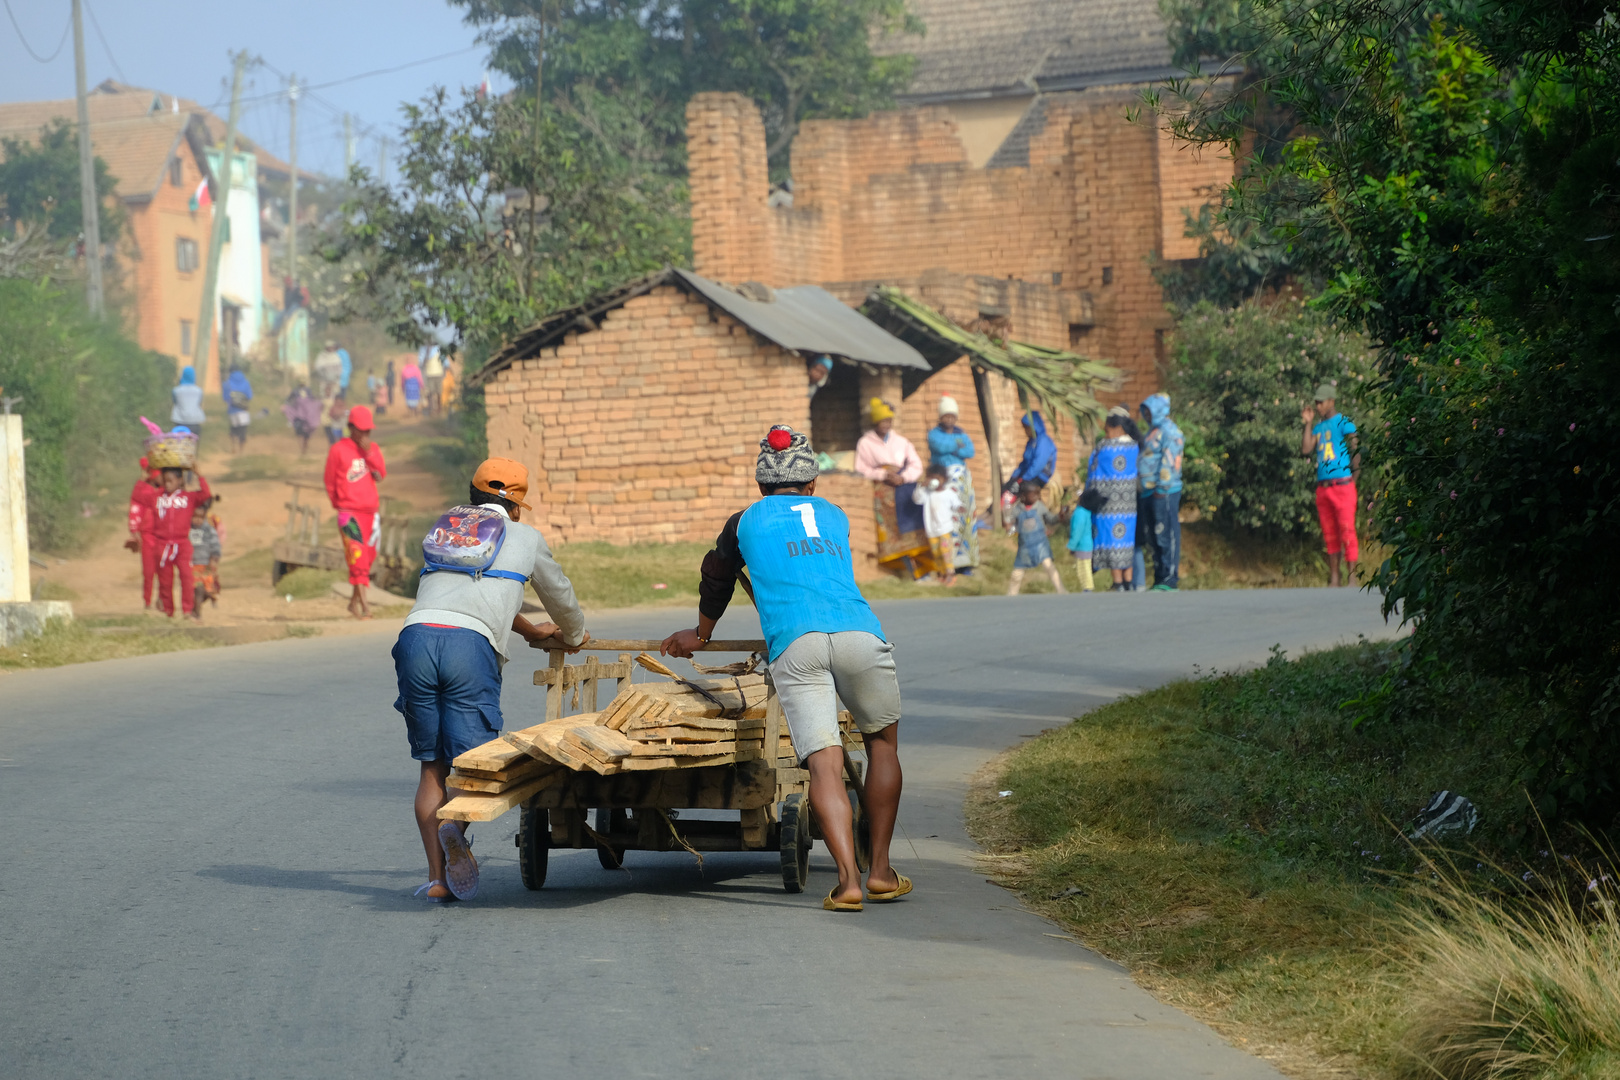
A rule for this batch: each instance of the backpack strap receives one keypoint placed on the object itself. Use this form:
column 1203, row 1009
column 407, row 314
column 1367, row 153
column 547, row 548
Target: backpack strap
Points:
column 510, row 575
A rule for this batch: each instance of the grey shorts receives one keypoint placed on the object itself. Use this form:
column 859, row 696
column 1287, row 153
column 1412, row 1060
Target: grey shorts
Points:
column 818, row 670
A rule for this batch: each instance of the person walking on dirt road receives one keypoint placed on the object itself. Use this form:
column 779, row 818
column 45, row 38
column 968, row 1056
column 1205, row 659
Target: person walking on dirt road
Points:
column 824, row 644
column 353, row 467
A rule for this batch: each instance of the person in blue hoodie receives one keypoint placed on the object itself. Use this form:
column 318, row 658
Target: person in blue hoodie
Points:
column 1159, row 474
column 1040, row 454
column 238, row 395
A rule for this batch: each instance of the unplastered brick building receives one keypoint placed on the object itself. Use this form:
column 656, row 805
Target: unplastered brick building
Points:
column 1021, row 189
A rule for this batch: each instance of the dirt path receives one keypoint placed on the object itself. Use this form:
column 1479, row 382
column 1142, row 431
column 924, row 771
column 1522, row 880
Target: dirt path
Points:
column 104, row 583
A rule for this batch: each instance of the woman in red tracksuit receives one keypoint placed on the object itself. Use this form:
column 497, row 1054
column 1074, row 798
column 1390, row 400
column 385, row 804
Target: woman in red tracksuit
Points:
column 171, row 529
column 353, row 467
column 142, row 518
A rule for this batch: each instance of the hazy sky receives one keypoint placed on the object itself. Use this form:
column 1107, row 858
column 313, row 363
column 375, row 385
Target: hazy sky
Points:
column 184, row 48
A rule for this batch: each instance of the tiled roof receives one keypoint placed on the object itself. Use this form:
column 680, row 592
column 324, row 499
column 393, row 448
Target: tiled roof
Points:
column 988, row 48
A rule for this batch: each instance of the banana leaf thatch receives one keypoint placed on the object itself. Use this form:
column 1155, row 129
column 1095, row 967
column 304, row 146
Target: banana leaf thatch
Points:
column 1061, row 383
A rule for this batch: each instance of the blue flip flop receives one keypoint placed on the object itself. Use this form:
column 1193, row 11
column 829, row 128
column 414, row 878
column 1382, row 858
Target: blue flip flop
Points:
column 460, row 868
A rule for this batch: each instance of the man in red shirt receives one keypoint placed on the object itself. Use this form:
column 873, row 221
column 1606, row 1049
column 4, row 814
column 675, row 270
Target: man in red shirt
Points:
column 171, row 531
column 353, row 467
column 142, row 518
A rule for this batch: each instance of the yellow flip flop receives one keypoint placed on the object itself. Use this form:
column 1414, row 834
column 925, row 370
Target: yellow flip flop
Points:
column 894, row 894
column 830, row 904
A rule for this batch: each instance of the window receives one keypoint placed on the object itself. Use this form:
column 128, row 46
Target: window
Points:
column 1108, row 275
column 185, row 254
column 1078, row 332
column 177, row 172
column 185, row 337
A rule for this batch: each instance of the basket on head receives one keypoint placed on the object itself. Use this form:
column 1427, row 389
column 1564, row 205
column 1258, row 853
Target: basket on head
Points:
column 172, row 451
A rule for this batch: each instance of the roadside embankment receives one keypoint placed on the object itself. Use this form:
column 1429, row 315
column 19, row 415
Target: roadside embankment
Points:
column 1236, row 841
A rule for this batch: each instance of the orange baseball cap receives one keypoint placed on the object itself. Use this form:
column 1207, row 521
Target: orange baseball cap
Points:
column 360, row 417
column 503, row 477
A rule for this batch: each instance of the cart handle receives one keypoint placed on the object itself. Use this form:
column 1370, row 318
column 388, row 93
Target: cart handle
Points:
column 647, row 644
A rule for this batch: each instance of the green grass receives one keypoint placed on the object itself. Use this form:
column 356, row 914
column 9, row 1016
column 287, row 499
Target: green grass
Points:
column 71, row 641
column 308, row 583
column 47, row 589
column 611, row 576
column 1235, row 840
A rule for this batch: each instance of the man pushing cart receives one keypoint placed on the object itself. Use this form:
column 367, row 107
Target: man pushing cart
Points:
column 823, row 643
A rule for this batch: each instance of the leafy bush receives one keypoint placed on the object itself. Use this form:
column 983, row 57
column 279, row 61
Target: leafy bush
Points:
column 83, row 386
column 1240, row 378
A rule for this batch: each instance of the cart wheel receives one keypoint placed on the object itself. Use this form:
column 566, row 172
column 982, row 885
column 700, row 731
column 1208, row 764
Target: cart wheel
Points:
column 863, row 835
column 534, row 846
column 609, row 856
column 795, row 843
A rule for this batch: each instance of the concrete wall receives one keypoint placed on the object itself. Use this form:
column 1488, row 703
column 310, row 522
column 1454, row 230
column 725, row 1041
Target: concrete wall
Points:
column 15, row 584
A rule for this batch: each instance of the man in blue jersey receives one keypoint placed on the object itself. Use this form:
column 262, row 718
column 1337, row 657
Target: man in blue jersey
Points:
column 824, row 644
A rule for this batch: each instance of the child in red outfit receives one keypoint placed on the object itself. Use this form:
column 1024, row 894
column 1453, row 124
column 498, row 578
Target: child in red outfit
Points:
column 353, row 467
column 172, row 533
column 142, row 518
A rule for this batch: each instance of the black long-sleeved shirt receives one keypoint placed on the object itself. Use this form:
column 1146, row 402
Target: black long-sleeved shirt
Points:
column 720, row 569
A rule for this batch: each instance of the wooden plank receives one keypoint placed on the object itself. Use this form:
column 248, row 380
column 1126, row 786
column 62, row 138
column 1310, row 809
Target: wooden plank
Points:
column 495, row 785
column 695, row 723
column 604, row 742
column 649, row 644
column 682, row 749
column 654, row 665
column 545, row 741
column 495, row 756
column 773, row 724
column 485, row 807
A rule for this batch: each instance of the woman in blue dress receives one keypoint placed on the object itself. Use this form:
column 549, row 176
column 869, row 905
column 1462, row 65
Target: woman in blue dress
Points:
column 1113, row 473
column 950, row 446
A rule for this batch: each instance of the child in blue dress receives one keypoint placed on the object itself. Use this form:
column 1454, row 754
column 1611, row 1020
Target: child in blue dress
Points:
column 1032, row 521
column 1080, row 544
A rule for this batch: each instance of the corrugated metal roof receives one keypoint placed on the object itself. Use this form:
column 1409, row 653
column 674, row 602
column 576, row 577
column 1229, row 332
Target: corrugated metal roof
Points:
column 808, row 319
column 805, row 319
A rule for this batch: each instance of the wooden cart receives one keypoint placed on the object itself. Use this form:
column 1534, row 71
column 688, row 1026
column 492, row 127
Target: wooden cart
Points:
column 304, row 542
column 641, row 811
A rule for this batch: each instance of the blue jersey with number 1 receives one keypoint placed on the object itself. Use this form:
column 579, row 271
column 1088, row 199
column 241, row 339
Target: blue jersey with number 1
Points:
column 797, row 551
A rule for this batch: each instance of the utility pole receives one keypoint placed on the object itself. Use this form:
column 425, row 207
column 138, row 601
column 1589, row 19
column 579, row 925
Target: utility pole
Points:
column 87, row 173
column 292, row 184
column 216, row 239
column 539, row 71
column 348, row 145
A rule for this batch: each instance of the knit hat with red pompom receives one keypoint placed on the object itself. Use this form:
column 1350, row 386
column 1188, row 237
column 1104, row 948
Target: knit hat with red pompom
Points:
column 785, row 457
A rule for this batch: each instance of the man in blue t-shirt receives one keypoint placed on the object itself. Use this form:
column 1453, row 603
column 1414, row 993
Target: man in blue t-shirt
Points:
column 1330, row 437
column 823, row 644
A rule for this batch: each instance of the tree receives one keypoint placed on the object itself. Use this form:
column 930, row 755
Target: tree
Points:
column 796, row 58
column 39, row 182
column 494, row 224
column 1451, row 173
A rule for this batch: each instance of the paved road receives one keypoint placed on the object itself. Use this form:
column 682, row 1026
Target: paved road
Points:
column 210, row 863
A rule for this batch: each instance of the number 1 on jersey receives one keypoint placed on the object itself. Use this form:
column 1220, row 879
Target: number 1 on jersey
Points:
column 807, row 512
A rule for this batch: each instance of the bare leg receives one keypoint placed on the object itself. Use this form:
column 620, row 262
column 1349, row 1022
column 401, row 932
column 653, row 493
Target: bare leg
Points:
column 1119, row 576
column 357, row 603
column 1349, row 572
column 883, row 783
column 1052, row 572
column 1015, row 581
column 831, row 805
column 430, row 795
column 1333, row 570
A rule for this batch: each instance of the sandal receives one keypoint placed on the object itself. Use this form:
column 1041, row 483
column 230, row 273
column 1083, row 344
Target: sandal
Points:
column 830, row 904
column 433, row 899
column 460, row 868
column 902, row 888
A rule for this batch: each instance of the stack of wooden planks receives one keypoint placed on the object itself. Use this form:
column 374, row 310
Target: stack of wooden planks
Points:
column 648, row 727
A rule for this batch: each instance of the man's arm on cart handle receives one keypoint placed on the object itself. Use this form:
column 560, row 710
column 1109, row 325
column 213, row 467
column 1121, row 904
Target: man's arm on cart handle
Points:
column 544, row 635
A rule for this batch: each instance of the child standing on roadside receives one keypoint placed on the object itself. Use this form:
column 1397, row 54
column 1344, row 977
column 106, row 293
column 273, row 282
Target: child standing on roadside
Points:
column 1080, row 545
column 205, row 555
column 172, row 529
column 940, row 506
column 1032, row 521
column 142, row 520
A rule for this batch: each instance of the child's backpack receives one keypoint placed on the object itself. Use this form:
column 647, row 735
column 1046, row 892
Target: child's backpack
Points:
column 466, row 539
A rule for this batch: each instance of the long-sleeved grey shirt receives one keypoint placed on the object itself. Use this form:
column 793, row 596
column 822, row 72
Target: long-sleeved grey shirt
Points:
column 489, row 604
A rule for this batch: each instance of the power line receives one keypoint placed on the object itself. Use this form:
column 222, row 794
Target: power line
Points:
column 95, row 22
column 41, row 59
column 378, row 71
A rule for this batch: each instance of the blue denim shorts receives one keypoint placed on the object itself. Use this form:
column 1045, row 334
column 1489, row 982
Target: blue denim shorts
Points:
column 449, row 690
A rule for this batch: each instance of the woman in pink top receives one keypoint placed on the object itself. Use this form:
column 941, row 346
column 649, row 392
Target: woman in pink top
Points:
column 410, row 381
column 884, row 456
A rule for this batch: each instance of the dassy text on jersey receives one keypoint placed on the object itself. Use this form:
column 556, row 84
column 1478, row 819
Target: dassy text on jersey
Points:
column 813, row 545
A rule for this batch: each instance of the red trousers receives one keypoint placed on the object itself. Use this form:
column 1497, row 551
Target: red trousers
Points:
column 1336, row 507
column 361, row 531
column 172, row 554
column 149, row 554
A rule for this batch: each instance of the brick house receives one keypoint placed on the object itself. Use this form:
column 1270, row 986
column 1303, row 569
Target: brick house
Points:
column 159, row 149
column 1012, row 192
column 639, row 412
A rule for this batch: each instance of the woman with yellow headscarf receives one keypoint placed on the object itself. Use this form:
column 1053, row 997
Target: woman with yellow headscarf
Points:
column 888, row 458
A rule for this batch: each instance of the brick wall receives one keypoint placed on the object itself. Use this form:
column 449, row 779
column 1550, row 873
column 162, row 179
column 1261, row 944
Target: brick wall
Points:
column 1066, row 238
column 648, row 428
